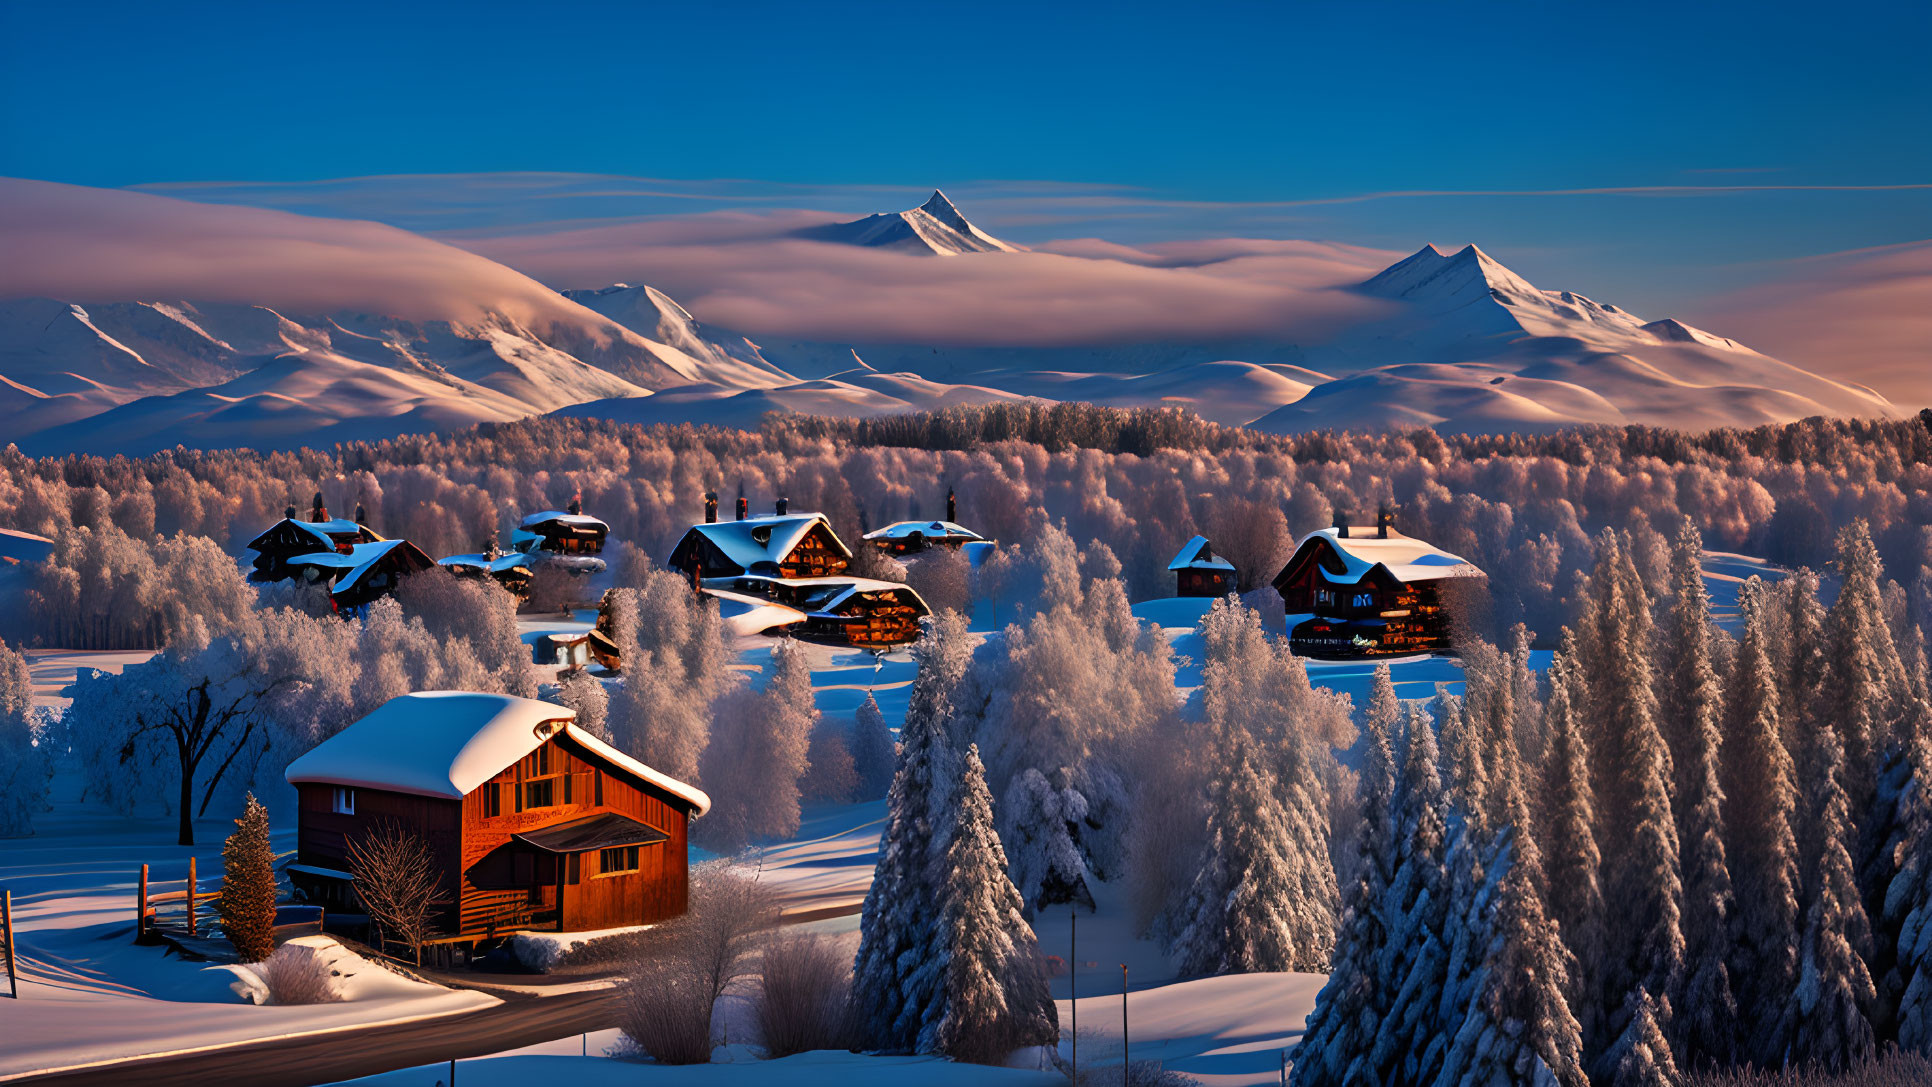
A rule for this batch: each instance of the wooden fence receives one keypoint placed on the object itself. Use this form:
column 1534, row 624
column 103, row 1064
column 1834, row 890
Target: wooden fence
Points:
column 188, row 907
column 6, row 937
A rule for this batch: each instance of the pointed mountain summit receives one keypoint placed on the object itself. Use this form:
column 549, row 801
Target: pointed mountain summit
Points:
column 935, row 228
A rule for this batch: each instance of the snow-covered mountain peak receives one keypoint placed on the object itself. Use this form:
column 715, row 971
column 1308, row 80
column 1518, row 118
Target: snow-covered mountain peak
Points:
column 935, row 228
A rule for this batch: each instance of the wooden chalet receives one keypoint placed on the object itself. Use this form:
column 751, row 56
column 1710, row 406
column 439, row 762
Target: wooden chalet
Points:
column 512, row 571
column 911, row 537
column 850, row 611
column 785, row 545
column 363, row 573
column 561, row 532
column 1353, row 591
column 1198, row 571
column 288, row 538
column 532, row 822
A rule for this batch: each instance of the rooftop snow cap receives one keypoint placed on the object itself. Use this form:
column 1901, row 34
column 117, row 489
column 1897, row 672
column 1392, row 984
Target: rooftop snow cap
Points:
column 446, row 744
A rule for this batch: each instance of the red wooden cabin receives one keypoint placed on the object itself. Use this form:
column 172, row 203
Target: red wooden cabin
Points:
column 532, row 821
column 788, row 545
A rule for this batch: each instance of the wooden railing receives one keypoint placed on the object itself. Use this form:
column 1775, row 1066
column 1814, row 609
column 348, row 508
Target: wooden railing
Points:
column 485, row 913
column 187, row 904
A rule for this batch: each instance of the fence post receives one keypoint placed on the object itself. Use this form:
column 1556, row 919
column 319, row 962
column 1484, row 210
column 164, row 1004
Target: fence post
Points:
column 1126, row 1060
column 13, row 971
column 141, row 916
column 191, row 896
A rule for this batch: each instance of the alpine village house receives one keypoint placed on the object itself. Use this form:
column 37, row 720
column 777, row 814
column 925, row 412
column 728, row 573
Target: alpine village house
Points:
column 531, row 821
column 785, row 574
column 1353, row 591
column 1199, row 572
column 912, row 537
column 356, row 564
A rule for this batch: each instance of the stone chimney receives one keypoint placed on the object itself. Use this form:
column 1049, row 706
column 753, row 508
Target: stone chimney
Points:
column 319, row 512
column 783, row 505
column 952, row 506
column 576, row 506
column 1383, row 520
column 1341, row 524
column 710, row 507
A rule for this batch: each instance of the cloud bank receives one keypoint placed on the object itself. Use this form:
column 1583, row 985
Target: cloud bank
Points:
column 81, row 244
column 1863, row 316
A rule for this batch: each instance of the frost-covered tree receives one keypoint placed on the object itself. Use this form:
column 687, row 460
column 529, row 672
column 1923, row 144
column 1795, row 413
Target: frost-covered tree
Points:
column 991, row 992
column 1908, row 898
column 26, row 757
column 1384, row 709
column 1416, row 960
column 677, row 667
column 247, row 903
column 1464, row 758
column 1631, row 778
column 477, row 611
column 1048, row 866
column 1255, row 903
column 829, row 773
column 1704, row 1022
column 760, row 747
column 1568, row 828
column 872, row 749
column 891, row 994
column 584, row 693
column 1760, row 804
column 1827, row 1015
column 1518, row 1029
column 1338, row 1045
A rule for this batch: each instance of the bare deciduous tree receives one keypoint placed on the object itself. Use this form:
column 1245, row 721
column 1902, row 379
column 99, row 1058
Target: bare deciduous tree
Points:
column 396, row 880
column 685, row 965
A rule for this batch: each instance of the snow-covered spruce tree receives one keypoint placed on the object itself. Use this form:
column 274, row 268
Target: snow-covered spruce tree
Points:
column 1384, row 709
column 872, row 749
column 1246, row 912
column 247, row 903
column 1800, row 655
column 1631, row 775
column 1641, row 1056
column 1567, row 823
column 1047, row 863
column 1827, row 1015
column 1864, row 682
column 1338, row 1044
column 1524, row 695
column 891, row 996
column 26, row 765
column 1760, row 804
column 1416, row 957
column 1704, row 1021
column 1518, row 1028
column 991, row 994
column 761, row 741
column 1908, row 899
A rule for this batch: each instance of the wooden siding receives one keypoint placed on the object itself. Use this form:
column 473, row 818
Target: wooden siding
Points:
column 322, row 836
column 1192, row 582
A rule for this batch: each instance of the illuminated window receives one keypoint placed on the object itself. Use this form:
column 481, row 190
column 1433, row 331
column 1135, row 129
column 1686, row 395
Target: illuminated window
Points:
column 344, row 801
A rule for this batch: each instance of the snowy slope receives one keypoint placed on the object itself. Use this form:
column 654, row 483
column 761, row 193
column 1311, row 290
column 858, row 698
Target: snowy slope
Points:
column 933, row 228
column 658, row 318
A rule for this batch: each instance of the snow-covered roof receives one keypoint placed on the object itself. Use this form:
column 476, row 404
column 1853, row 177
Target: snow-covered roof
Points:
column 744, row 614
column 1191, row 557
column 900, row 530
column 497, row 565
column 370, row 554
column 325, row 532
column 812, row 595
column 448, row 743
column 763, row 539
column 357, row 556
column 23, row 547
column 578, row 520
column 1407, row 558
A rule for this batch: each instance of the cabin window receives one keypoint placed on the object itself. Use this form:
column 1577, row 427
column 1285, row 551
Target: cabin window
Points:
column 1362, row 600
column 614, row 861
column 540, row 794
column 492, row 799
column 343, row 802
column 574, row 868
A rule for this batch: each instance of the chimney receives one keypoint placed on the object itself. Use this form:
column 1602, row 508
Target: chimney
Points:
column 1341, row 524
column 362, row 515
column 710, row 507
column 577, row 503
column 1383, row 519
column 744, row 509
column 289, row 513
column 952, row 506
column 783, row 505
column 320, row 512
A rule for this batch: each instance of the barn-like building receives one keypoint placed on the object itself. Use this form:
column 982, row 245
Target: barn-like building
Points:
column 532, row 822
column 363, row 573
column 852, row 611
column 1353, row 591
column 512, row 570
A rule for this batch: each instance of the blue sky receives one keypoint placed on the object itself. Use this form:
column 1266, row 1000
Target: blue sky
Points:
column 1204, row 109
